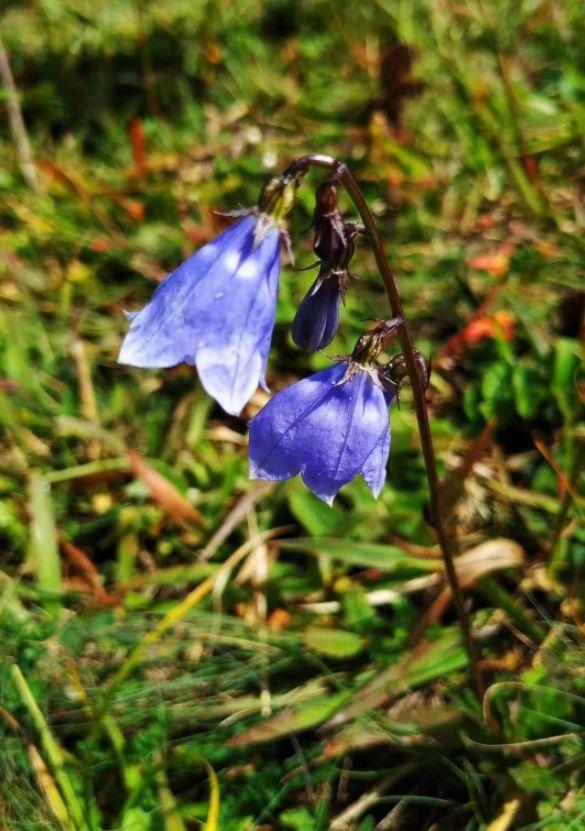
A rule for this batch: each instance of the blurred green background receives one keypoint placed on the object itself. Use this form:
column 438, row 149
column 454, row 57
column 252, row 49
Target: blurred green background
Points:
column 316, row 680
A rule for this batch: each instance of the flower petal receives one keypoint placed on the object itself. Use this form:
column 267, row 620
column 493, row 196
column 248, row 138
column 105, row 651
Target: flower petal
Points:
column 274, row 431
column 317, row 318
column 233, row 319
column 160, row 335
column 374, row 468
column 324, row 428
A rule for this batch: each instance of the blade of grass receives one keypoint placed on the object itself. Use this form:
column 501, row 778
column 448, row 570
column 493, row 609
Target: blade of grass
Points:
column 502, row 599
column 52, row 748
column 87, row 470
column 365, row 554
column 49, row 789
column 16, row 122
column 176, row 614
column 235, row 516
column 44, row 548
column 171, row 818
column 45, row 780
column 212, row 823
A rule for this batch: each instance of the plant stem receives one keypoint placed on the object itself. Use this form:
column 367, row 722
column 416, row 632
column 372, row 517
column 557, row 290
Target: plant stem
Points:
column 344, row 175
column 16, row 122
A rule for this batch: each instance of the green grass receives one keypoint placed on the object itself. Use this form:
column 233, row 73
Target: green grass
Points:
column 275, row 682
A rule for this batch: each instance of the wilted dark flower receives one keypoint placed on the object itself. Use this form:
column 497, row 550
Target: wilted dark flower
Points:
column 217, row 309
column 330, row 241
column 331, row 426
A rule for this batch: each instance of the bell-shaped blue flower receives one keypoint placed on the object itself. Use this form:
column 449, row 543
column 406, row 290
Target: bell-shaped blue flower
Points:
column 317, row 317
column 215, row 311
column 329, row 428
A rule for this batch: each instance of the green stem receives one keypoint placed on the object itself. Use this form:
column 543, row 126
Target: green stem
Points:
column 559, row 546
column 343, row 174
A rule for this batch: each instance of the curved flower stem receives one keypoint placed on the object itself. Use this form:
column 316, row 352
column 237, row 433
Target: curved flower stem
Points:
column 344, row 175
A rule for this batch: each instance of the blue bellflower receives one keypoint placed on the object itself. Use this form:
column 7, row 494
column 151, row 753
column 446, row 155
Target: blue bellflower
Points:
column 329, row 427
column 217, row 310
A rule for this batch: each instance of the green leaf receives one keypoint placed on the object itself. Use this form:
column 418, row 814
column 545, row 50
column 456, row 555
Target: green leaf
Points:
column 434, row 659
column 387, row 558
column 43, row 548
column 566, row 363
column 333, row 642
column 358, row 612
column 529, row 389
column 299, row 819
column 497, row 393
column 305, row 716
column 135, row 819
column 315, row 516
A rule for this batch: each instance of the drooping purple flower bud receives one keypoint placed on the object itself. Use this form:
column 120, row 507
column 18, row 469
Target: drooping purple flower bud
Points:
column 217, row 310
column 317, row 318
column 329, row 427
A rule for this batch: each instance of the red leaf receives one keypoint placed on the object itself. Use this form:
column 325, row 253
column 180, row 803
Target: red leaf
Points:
column 495, row 262
column 133, row 207
column 531, row 167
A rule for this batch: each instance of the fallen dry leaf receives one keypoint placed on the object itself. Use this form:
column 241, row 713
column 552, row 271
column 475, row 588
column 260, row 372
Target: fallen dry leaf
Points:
column 164, row 493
